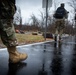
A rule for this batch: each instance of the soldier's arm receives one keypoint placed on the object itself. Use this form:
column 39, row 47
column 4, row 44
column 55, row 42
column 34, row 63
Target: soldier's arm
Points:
column 66, row 13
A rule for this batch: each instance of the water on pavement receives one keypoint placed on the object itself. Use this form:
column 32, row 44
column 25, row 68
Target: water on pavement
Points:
column 43, row 59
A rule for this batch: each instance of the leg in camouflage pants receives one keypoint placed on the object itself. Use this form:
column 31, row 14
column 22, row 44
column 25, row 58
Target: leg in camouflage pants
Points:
column 59, row 27
column 8, row 37
column 7, row 32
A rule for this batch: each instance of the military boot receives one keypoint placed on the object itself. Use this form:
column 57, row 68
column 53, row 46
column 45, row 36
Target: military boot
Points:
column 15, row 56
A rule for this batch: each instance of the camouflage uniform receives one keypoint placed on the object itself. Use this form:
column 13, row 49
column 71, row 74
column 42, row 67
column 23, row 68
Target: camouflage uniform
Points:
column 60, row 22
column 59, row 26
column 7, row 32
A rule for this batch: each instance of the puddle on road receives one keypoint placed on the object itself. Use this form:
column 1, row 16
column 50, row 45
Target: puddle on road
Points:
column 43, row 59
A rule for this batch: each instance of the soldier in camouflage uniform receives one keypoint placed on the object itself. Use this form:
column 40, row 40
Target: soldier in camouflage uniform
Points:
column 7, row 32
column 59, row 27
column 60, row 22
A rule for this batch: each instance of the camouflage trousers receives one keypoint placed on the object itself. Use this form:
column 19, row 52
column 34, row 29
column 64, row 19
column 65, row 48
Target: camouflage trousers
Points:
column 7, row 32
column 59, row 26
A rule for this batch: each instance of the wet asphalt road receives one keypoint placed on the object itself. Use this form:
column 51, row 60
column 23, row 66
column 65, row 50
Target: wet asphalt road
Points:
column 43, row 59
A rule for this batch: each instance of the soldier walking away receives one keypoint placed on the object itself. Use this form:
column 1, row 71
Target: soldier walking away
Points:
column 7, row 32
column 60, row 15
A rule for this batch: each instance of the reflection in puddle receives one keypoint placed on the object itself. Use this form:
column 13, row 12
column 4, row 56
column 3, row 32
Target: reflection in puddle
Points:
column 56, row 65
column 14, row 68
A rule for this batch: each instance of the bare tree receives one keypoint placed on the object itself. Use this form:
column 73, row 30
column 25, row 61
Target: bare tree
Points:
column 72, row 3
column 34, row 22
column 18, row 18
column 42, row 15
column 43, row 18
column 56, row 3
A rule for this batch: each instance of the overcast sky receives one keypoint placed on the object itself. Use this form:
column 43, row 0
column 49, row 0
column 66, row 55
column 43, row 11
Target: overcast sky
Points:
column 29, row 7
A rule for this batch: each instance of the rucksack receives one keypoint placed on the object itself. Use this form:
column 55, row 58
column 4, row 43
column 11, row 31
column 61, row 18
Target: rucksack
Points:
column 60, row 13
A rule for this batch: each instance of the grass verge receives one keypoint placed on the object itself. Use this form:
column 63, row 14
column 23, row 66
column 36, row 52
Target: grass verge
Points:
column 26, row 39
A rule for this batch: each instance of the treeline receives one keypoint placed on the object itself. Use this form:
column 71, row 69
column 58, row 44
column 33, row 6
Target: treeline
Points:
column 69, row 27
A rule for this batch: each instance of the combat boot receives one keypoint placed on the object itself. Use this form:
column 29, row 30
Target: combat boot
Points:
column 15, row 56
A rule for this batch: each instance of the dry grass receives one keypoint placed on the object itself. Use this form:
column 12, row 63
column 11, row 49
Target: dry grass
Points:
column 26, row 39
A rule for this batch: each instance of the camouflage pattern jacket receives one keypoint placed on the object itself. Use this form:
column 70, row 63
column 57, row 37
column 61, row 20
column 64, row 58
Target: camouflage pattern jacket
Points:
column 7, row 9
